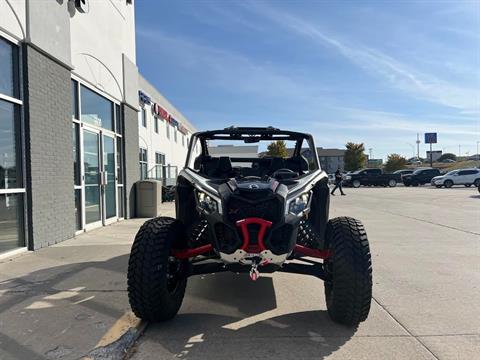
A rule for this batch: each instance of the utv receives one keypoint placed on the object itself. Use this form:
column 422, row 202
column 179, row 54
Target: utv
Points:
column 256, row 214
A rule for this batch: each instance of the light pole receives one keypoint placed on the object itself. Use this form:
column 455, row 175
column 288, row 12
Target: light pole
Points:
column 478, row 155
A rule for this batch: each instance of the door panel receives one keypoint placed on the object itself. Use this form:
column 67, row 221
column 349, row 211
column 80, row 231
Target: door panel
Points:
column 109, row 178
column 91, row 162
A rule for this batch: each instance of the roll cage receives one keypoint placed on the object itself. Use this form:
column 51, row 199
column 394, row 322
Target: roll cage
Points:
column 250, row 135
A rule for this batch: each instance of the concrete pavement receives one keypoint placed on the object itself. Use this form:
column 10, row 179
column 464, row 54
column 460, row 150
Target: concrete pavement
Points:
column 426, row 255
column 59, row 302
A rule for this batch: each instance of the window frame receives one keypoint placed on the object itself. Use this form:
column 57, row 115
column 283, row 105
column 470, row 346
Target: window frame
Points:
column 143, row 162
column 16, row 99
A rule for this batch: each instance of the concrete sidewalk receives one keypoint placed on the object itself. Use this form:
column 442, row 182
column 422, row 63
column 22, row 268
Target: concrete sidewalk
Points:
column 58, row 302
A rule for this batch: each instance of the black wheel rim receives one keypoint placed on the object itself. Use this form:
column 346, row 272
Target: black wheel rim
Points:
column 174, row 274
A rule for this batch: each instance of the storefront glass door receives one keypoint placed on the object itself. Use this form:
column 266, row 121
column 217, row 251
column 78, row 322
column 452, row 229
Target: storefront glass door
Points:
column 100, row 179
column 92, row 177
column 109, row 181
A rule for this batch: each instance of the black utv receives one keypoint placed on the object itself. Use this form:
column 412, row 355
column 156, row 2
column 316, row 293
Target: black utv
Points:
column 254, row 213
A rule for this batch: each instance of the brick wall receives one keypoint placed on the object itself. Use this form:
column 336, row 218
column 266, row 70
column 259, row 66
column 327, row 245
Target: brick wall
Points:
column 49, row 144
column 132, row 170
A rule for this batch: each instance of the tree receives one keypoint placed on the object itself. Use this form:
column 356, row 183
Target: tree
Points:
column 354, row 157
column 277, row 148
column 447, row 156
column 395, row 162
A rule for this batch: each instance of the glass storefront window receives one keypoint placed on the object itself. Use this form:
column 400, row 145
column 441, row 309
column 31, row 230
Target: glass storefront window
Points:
column 8, row 69
column 9, row 159
column 11, row 220
column 144, row 117
column 74, row 100
column 143, row 164
column 119, row 161
column 95, row 109
column 76, row 153
column 118, row 120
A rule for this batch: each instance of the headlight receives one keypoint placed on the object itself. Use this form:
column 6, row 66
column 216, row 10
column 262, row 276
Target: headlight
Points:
column 299, row 204
column 348, row 177
column 206, row 203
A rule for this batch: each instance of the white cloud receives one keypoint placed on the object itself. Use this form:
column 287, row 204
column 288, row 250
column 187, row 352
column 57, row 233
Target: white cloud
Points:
column 399, row 75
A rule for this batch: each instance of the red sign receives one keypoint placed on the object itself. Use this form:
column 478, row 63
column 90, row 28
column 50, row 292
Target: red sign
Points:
column 160, row 111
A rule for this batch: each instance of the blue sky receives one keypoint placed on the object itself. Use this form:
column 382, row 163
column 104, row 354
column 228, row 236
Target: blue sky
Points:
column 375, row 72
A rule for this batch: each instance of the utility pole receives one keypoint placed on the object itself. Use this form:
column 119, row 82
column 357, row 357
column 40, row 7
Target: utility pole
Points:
column 431, row 156
column 418, row 146
column 370, row 151
column 459, row 150
column 478, row 155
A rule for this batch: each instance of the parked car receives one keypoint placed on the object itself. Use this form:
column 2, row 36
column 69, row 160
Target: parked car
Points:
column 420, row 176
column 467, row 177
column 404, row 172
column 374, row 177
column 331, row 179
column 448, row 161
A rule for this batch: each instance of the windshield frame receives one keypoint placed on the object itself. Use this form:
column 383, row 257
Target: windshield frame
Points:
column 252, row 136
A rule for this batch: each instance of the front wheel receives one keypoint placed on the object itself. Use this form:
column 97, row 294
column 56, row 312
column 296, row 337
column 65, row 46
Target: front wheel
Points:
column 356, row 183
column 392, row 183
column 156, row 279
column 348, row 290
column 476, row 183
column 448, row 183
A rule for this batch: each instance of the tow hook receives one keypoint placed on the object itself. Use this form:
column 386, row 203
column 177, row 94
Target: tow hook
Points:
column 254, row 273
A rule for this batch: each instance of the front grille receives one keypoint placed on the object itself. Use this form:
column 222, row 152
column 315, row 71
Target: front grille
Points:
column 281, row 240
column 269, row 209
column 227, row 241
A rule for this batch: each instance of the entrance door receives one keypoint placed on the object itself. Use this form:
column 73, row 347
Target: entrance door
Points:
column 99, row 156
column 92, row 178
column 109, row 180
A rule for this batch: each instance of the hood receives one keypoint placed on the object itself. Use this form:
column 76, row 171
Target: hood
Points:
column 407, row 176
column 438, row 177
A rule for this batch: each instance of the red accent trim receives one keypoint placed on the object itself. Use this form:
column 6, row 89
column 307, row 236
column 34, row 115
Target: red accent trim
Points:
column 188, row 253
column 321, row 254
column 243, row 225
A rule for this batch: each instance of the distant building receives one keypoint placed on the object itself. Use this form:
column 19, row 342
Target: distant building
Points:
column 330, row 159
column 436, row 154
column 374, row 162
column 233, row 151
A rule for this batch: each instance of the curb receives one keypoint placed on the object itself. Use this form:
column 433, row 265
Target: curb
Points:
column 118, row 340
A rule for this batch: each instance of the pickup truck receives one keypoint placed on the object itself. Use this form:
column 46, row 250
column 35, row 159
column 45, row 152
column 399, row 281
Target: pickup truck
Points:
column 370, row 177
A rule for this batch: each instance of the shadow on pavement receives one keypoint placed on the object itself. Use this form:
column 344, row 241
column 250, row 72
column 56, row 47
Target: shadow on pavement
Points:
column 62, row 323
column 246, row 325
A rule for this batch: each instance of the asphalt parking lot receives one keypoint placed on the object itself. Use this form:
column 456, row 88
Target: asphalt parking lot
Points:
column 425, row 244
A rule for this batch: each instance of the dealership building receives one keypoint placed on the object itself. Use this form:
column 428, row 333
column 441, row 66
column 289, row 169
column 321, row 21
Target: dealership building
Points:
column 73, row 137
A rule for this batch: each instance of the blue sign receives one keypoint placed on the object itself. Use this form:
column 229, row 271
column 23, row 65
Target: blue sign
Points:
column 430, row 138
column 144, row 98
